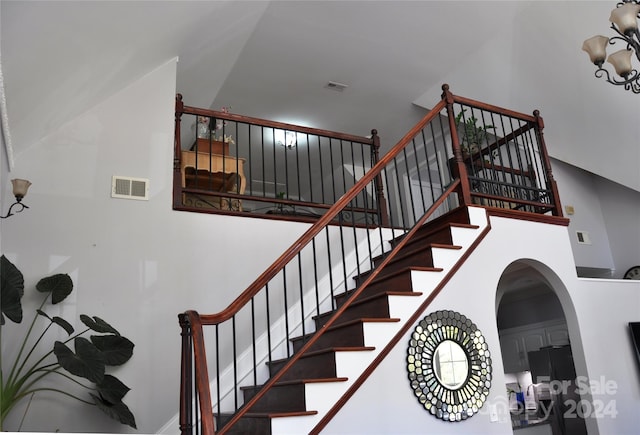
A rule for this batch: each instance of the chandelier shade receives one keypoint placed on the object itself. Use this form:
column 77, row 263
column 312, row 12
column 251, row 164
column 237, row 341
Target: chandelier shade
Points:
column 596, row 46
column 621, row 61
column 625, row 17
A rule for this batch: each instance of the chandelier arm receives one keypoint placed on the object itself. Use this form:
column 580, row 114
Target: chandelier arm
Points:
column 9, row 213
column 632, row 83
column 627, row 39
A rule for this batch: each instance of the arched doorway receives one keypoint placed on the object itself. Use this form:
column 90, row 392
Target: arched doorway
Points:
column 537, row 353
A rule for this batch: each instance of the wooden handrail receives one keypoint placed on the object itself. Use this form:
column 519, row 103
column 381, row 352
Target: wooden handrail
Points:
column 275, row 378
column 492, row 108
column 244, row 298
column 342, row 202
column 268, row 123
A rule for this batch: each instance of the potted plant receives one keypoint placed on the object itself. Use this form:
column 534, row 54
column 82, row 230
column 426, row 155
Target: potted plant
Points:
column 84, row 366
column 472, row 135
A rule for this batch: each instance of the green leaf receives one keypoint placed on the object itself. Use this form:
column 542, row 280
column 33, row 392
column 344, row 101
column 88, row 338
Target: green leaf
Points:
column 43, row 314
column 118, row 411
column 87, row 362
column 59, row 285
column 63, row 324
column 111, row 389
column 98, row 325
column 58, row 321
column 115, row 349
column 11, row 291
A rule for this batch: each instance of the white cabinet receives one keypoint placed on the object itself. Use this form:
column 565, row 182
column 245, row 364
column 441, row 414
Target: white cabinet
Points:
column 557, row 335
column 512, row 353
column 515, row 343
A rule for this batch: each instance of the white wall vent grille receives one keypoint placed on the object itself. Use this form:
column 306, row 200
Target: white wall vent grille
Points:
column 130, row 188
column 583, row 237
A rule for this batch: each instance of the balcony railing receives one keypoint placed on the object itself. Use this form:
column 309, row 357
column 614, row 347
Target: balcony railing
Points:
column 429, row 172
column 234, row 164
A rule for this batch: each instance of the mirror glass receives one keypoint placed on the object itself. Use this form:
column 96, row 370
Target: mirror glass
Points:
column 450, row 364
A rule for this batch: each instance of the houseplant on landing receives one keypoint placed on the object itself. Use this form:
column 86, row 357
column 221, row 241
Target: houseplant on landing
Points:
column 472, row 134
column 106, row 347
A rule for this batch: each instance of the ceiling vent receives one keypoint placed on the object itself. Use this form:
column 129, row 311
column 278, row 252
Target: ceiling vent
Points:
column 336, row 86
column 130, row 188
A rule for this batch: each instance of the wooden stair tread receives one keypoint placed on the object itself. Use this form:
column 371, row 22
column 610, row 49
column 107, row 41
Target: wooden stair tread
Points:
column 298, row 382
column 400, row 272
column 383, row 294
column 373, row 297
column 279, row 414
column 415, row 249
column 338, row 349
column 352, row 322
column 328, row 350
column 312, row 381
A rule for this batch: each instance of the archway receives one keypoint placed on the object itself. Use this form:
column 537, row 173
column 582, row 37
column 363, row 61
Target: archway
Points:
column 540, row 344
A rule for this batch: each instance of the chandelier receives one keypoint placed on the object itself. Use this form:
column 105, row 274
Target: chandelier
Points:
column 624, row 21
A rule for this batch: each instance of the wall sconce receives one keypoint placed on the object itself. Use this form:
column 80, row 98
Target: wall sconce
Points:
column 20, row 188
column 286, row 139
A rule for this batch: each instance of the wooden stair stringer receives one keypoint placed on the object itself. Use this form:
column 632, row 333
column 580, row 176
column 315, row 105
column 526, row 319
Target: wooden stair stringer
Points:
column 327, row 398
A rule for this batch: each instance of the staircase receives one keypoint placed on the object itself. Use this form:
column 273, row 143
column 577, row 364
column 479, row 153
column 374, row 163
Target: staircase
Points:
column 347, row 350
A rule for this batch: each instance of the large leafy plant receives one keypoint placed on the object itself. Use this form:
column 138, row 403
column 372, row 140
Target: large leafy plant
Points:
column 84, row 366
column 473, row 135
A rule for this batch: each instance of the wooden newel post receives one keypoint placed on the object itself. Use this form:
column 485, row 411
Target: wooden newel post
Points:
column 177, row 153
column 458, row 167
column 186, row 381
column 382, row 202
column 557, row 206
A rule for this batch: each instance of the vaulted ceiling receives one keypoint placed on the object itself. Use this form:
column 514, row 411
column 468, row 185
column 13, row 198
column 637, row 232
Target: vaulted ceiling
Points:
column 273, row 59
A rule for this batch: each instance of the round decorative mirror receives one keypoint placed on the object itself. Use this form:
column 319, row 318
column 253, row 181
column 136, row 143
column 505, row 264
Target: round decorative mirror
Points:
column 449, row 365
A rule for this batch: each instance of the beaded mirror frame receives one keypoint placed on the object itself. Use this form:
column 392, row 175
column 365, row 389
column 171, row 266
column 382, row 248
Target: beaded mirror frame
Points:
column 433, row 370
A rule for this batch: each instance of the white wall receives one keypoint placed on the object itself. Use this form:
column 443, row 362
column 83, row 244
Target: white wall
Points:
column 608, row 211
column 597, row 312
column 578, row 189
column 136, row 264
column 621, row 212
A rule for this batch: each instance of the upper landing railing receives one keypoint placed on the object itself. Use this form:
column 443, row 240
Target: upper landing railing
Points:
column 234, row 164
column 461, row 153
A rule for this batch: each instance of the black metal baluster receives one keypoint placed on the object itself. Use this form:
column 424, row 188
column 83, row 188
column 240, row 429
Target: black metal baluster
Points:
column 249, row 157
column 275, row 168
column 333, row 178
column 264, row 159
column 355, row 241
column 218, row 396
column 266, row 287
column 309, row 167
column 235, row 361
column 300, row 284
column 342, row 251
column 330, row 269
column 344, row 176
column 253, row 341
column 400, row 201
column 286, row 167
column 315, row 275
column 324, row 201
column 286, row 309
column 299, row 188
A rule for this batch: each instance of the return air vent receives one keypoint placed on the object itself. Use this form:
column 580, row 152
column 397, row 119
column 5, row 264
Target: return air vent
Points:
column 583, row 237
column 130, row 188
column 336, row 86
